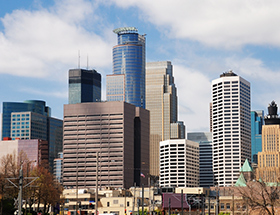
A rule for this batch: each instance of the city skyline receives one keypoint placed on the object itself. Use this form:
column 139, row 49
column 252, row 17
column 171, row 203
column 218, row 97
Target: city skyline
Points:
column 41, row 40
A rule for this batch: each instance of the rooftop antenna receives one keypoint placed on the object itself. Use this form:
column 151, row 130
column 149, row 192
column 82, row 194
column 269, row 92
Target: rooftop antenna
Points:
column 79, row 57
column 87, row 61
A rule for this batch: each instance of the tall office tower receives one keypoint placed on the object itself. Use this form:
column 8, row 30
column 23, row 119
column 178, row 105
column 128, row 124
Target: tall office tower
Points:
column 269, row 157
column 128, row 80
column 118, row 132
column 206, row 176
column 231, row 126
column 179, row 163
column 257, row 121
column 84, row 86
column 32, row 120
column 161, row 101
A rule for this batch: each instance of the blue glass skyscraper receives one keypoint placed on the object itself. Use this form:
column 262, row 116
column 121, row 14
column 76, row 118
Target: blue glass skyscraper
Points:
column 34, row 106
column 84, row 86
column 257, row 121
column 32, row 119
column 128, row 80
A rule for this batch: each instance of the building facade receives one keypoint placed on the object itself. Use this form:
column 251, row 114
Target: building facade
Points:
column 179, row 163
column 58, row 167
column 35, row 106
column 257, row 121
column 32, row 120
column 84, row 86
column 117, row 132
column 161, row 101
column 204, row 139
column 127, row 83
column 269, row 157
column 36, row 151
column 231, row 126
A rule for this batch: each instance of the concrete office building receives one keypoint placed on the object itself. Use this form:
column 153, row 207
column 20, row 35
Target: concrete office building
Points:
column 32, row 119
column 204, row 139
column 118, row 131
column 84, row 86
column 257, row 121
column 127, row 83
column 269, row 157
column 179, row 163
column 37, row 151
column 231, row 126
column 161, row 101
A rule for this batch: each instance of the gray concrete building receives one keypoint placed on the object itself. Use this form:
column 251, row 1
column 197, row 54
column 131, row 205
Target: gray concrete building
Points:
column 206, row 175
column 118, row 132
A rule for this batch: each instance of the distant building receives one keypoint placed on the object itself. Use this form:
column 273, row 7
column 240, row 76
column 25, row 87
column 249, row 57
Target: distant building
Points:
column 118, row 131
column 58, row 166
column 127, row 83
column 231, row 104
column 257, row 121
column 8, row 108
column 179, row 163
column 84, row 86
column 269, row 157
column 32, row 119
column 206, row 175
column 36, row 151
column 161, row 101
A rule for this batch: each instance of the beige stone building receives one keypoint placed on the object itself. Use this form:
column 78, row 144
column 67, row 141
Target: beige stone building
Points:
column 269, row 157
column 161, row 101
column 110, row 201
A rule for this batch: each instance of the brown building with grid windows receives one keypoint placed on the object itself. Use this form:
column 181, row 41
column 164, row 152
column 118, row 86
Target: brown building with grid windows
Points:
column 118, row 132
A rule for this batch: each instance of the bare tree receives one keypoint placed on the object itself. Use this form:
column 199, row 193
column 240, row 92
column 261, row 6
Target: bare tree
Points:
column 261, row 196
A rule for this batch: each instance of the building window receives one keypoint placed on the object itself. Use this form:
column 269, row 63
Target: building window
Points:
column 108, row 204
column 228, row 206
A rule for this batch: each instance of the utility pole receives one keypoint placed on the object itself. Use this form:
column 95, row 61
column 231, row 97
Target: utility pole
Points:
column 217, row 200
column 96, row 189
column 20, row 187
column 142, row 199
column 182, row 203
column 20, row 190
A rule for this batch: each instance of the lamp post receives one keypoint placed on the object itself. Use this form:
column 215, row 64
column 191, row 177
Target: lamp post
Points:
column 96, row 189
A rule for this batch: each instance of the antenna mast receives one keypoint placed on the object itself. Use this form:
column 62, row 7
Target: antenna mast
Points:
column 79, row 59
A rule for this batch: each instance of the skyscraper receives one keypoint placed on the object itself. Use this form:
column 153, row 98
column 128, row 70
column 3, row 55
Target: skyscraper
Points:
column 32, row 119
column 127, row 83
column 34, row 106
column 206, row 177
column 118, row 131
column 84, row 86
column 231, row 126
column 269, row 157
column 161, row 101
column 257, row 121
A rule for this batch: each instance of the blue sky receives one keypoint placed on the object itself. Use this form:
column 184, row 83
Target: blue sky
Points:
column 40, row 41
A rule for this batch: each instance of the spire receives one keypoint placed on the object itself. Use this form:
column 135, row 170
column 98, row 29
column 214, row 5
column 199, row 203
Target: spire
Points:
column 241, row 182
column 246, row 167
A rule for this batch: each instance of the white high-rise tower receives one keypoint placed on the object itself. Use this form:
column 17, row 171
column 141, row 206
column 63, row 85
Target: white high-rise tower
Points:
column 231, row 126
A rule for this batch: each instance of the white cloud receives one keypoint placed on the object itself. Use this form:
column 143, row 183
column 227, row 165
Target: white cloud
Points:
column 217, row 23
column 45, row 43
column 194, row 93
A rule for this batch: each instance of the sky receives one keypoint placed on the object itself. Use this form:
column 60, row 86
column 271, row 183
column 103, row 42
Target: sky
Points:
column 40, row 40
